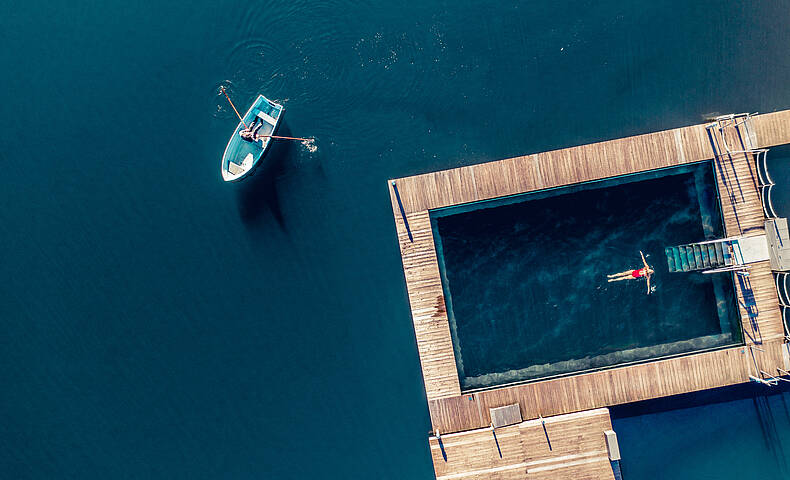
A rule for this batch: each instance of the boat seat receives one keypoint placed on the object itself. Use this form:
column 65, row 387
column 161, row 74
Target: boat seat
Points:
column 235, row 168
column 265, row 117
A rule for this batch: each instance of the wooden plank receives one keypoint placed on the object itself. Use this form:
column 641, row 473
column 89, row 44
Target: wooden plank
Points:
column 614, row 386
column 772, row 128
column 612, row 445
column 576, row 164
column 468, row 449
column 507, row 415
column 566, row 446
column 743, row 215
column 429, row 314
column 742, row 212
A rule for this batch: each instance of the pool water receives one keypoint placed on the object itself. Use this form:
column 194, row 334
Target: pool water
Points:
column 525, row 278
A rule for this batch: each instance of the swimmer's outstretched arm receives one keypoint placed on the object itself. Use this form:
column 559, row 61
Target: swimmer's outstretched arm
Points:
column 648, row 284
column 643, row 259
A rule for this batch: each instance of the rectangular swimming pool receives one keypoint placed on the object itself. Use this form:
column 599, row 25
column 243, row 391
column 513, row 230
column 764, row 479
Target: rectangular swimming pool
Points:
column 525, row 277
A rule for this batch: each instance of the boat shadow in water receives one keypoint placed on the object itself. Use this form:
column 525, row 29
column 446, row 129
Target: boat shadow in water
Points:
column 258, row 193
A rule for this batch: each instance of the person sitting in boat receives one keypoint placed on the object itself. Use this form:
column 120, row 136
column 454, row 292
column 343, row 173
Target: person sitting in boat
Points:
column 251, row 132
column 644, row 272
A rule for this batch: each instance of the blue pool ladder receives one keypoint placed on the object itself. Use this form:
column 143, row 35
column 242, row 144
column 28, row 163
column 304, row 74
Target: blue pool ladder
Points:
column 703, row 256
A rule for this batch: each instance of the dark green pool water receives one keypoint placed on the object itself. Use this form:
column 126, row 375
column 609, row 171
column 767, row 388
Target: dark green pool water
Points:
column 527, row 281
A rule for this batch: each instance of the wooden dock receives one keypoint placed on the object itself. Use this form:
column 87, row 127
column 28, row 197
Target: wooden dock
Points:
column 584, row 163
column 570, row 446
column 453, row 411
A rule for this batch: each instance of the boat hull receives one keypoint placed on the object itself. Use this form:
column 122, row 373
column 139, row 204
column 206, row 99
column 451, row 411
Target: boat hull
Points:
column 242, row 157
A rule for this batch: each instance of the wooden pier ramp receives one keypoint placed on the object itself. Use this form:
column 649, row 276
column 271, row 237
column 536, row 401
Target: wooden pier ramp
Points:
column 569, row 446
column 453, row 411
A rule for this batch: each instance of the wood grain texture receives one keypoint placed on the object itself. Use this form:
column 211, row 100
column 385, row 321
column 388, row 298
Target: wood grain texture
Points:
column 772, row 128
column 633, row 383
column 452, row 411
column 426, row 297
column 576, row 164
column 575, row 448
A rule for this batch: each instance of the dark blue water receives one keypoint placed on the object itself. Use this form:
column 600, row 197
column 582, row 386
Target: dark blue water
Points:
column 527, row 284
column 158, row 323
column 741, row 432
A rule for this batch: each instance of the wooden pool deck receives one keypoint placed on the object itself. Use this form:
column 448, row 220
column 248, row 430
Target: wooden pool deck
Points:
column 583, row 163
column 453, row 411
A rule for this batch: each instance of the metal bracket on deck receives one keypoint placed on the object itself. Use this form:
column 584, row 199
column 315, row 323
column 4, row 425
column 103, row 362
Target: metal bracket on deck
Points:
column 772, row 379
column 763, row 381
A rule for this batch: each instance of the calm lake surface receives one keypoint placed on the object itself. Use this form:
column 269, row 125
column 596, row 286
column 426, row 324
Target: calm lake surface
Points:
column 158, row 323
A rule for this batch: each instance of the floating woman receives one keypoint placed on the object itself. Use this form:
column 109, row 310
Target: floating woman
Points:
column 644, row 272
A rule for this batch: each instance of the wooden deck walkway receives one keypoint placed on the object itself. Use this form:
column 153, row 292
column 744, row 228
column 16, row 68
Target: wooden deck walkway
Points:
column 573, row 393
column 428, row 311
column 577, row 164
column 572, row 446
column 573, row 165
column 772, row 128
column 471, row 453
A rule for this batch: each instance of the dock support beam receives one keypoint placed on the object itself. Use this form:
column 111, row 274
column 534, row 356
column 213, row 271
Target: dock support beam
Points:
column 402, row 212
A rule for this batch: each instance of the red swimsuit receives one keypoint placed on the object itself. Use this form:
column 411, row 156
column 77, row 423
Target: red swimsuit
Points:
column 638, row 273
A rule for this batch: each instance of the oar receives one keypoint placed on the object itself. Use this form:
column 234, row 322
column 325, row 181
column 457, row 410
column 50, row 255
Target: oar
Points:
column 234, row 106
column 309, row 140
column 287, row 138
